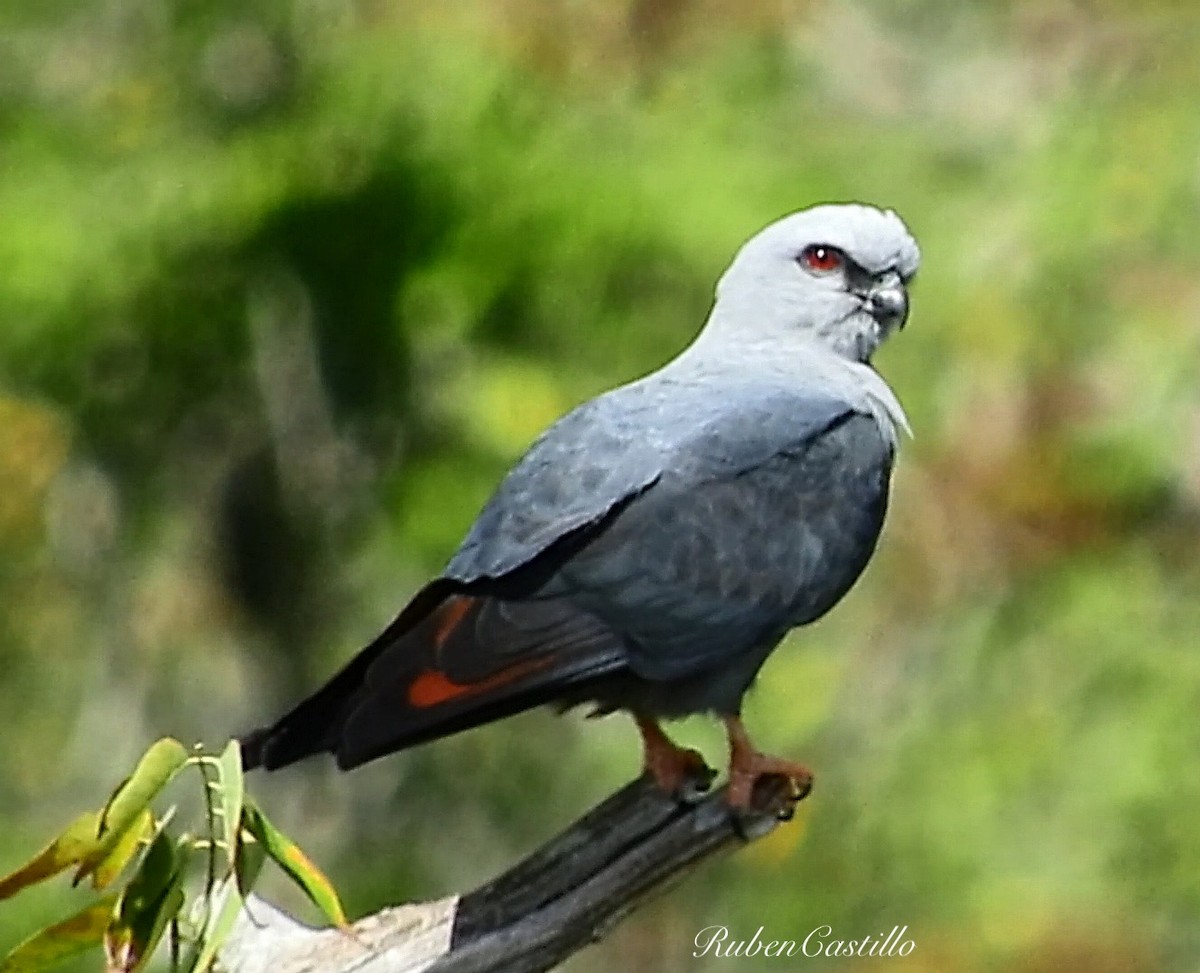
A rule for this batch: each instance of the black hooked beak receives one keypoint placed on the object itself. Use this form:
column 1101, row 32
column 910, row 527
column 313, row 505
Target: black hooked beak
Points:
column 886, row 300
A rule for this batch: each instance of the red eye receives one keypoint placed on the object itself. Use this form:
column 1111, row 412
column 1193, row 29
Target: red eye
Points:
column 821, row 259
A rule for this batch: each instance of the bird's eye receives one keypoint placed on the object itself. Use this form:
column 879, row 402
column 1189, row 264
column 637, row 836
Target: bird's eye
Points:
column 821, row 259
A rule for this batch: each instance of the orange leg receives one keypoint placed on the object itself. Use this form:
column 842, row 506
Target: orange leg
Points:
column 671, row 766
column 747, row 766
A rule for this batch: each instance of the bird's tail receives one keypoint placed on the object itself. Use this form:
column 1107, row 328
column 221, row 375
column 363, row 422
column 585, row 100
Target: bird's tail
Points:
column 449, row 662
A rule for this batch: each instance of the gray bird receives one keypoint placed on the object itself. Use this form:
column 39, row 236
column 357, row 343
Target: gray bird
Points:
column 655, row 545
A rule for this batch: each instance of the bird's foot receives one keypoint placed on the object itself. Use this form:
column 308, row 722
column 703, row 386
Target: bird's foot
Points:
column 678, row 771
column 750, row 770
column 746, row 784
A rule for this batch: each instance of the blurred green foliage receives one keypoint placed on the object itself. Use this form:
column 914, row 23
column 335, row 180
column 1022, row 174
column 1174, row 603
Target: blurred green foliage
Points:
column 287, row 285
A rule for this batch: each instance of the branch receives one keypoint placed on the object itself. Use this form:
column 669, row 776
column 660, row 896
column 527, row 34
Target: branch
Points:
column 567, row 894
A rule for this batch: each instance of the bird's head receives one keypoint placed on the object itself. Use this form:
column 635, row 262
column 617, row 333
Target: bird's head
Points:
column 836, row 273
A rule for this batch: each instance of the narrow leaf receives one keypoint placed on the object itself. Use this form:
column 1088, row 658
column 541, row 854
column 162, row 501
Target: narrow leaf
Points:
column 123, row 851
column 75, row 844
column 287, row 854
column 154, row 771
column 154, row 873
column 251, row 855
column 232, row 796
column 219, row 925
column 45, row 949
column 165, row 912
column 152, row 899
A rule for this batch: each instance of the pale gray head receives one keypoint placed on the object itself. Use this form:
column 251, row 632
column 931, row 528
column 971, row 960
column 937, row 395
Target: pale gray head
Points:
column 836, row 274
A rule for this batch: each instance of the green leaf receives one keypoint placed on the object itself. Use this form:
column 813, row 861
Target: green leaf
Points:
column 287, row 854
column 83, row 931
column 218, row 925
column 154, row 873
column 126, row 807
column 167, row 910
column 123, row 851
column 232, row 797
column 251, row 856
column 154, row 771
column 76, row 843
column 153, row 897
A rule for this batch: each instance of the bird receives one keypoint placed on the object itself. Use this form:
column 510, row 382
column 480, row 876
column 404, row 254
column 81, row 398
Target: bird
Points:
column 654, row 545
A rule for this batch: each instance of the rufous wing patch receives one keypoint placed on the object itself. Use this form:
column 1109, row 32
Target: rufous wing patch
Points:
column 433, row 688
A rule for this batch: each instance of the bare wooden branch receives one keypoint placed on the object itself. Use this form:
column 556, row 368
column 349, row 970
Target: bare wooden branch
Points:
column 567, row 894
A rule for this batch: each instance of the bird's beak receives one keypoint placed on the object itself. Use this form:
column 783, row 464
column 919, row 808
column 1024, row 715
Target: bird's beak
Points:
column 887, row 301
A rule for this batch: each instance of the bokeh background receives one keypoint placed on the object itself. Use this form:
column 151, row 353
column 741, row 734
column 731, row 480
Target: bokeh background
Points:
column 285, row 285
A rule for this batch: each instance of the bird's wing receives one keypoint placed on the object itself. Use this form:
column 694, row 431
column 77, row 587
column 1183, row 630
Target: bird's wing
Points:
column 450, row 662
column 608, row 452
column 585, row 466
column 764, row 519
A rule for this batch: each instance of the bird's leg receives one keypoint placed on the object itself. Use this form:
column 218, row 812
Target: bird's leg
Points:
column 747, row 766
column 674, row 768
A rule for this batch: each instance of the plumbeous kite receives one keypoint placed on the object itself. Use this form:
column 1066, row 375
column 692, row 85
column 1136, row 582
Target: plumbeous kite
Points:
column 656, row 543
